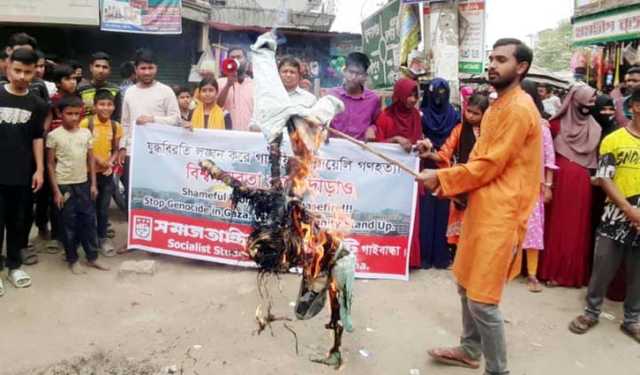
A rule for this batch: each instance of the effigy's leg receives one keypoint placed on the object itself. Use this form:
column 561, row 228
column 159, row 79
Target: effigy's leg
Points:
column 275, row 155
column 335, row 356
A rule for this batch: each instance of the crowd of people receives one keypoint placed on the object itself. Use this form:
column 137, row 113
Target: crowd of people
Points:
column 515, row 167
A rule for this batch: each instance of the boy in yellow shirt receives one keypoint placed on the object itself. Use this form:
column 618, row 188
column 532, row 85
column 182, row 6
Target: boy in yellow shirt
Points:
column 106, row 137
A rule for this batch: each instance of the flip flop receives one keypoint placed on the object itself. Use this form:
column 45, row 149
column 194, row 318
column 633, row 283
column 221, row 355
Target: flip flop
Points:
column 29, row 256
column 534, row 285
column 19, row 278
column 52, row 247
column 453, row 357
column 1, row 288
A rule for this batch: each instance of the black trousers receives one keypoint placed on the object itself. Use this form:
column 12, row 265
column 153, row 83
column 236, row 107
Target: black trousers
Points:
column 77, row 220
column 45, row 210
column 16, row 203
column 105, row 192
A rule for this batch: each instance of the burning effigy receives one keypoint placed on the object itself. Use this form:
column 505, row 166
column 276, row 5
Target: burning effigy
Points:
column 285, row 234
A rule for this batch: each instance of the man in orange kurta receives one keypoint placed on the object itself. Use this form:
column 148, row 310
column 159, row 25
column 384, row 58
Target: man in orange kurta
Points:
column 500, row 179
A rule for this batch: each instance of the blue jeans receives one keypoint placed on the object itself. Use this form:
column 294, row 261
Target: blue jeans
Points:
column 105, row 192
column 77, row 220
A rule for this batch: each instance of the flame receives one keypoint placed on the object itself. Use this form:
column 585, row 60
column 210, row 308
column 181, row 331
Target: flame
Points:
column 316, row 243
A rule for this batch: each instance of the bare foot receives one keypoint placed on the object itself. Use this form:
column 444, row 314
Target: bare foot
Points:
column 97, row 264
column 77, row 269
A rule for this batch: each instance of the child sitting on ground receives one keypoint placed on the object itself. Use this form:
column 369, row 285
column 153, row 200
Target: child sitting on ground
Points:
column 69, row 151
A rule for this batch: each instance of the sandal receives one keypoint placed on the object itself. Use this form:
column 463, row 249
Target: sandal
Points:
column 19, row 278
column 631, row 330
column 1, row 288
column 52, row 247
column 534, row 285
column 454, row 357
column 29, row 256
column 582, row 324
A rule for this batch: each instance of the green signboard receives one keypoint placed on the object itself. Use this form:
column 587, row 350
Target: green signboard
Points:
column 381, row 42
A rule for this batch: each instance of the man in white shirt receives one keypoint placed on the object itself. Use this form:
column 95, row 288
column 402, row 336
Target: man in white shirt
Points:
column 148, row 101
column 290, row 71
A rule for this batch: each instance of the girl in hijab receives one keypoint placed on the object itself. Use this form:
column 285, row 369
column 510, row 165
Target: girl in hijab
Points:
column 400, row 123
column 568, row 237
column 438, row 120
column 456, row 150
column 534, row 238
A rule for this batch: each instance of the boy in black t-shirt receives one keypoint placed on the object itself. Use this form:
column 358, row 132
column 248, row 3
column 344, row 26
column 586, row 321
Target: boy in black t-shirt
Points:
column 22, row 117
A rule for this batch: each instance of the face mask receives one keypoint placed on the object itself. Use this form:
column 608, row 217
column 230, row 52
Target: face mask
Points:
column 585, row 110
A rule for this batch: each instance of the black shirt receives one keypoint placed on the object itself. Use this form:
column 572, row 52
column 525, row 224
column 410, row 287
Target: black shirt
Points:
column 36, row 87
column 21, row 121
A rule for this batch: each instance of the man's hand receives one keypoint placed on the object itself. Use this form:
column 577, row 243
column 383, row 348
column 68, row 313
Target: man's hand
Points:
column 232, row 78
column 404, row 143
column 58, row 199
column 94, row 192
column 634, row 216
column 547, row 193
column 122, row 156
column 144, row 119
column 424, row 147
column 37, row 181
column 429, row 178
column 187, row 125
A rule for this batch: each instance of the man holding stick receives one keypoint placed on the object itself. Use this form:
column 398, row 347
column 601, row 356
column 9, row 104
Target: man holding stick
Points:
column 502, row 194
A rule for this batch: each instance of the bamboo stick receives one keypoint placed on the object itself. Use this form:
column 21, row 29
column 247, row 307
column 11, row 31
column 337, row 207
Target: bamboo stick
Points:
column 370, row 149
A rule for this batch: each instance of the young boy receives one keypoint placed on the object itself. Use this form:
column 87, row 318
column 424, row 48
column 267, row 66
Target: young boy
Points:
column 106, row 138
column 618, row 236
column 183, row 94
column 69, row 151
column 21, row 126
column 66, row 84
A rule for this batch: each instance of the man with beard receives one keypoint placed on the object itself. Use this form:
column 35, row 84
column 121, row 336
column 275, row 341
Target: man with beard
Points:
column 501, row 196
column 237, row 91
column 148, row 101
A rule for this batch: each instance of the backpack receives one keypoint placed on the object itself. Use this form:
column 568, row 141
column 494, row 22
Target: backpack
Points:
column 114, row 131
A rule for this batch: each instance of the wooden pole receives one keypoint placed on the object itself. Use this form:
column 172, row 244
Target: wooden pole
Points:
column 370, row 149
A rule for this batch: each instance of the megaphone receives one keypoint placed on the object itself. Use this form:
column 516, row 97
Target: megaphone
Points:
column 230, row 66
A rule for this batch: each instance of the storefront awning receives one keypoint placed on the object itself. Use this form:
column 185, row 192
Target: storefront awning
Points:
column 610, row 26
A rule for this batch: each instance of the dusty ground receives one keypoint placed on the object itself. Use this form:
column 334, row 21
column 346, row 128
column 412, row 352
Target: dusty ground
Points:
column 198, row 318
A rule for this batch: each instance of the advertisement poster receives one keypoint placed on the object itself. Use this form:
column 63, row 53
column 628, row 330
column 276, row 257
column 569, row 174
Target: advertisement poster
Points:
column 471, row 19
column 176, row 209
column 142, row 16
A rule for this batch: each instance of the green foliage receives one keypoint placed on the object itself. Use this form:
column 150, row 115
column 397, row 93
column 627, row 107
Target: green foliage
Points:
column 553, row 50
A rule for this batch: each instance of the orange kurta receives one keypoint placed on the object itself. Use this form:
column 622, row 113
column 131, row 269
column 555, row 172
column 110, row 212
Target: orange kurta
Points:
column 502, row 179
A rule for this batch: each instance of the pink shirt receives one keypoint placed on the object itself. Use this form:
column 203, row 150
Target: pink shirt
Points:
column 239, row 103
